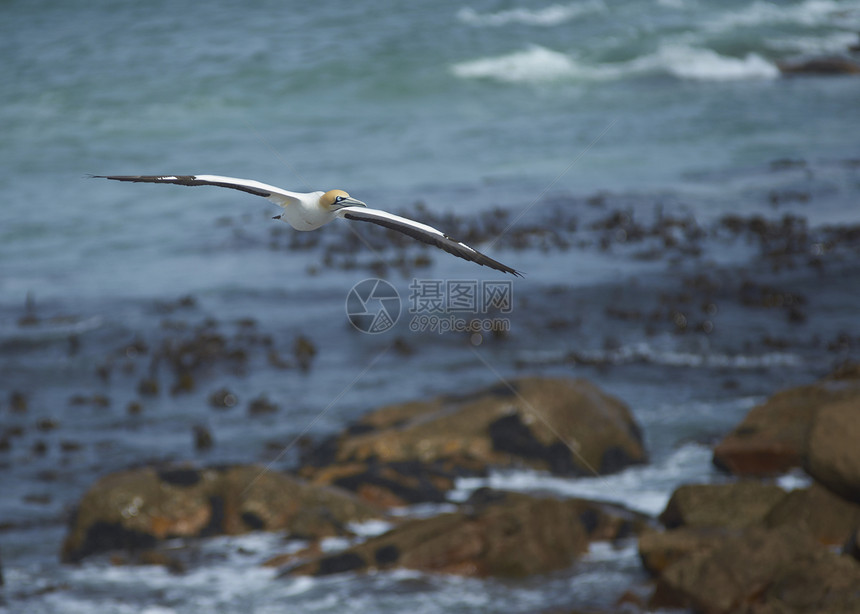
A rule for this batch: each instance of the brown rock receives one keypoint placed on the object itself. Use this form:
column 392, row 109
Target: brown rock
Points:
column 262, row 405
column 281, row 560
column 762, row 570
column 136, row 509
column 660, row 549
column 504, row 535
column 815, row 582
column 568, row 427
column 851, row 547
column 829, row 518
column 835, row 65
column 847, row 371
column 223, row 398
column 202, row 437
column 734, row 505
column 281, row 502
column 833, row 453
column 18, row 402
column 391, row 484
column 772, row 439
column 304, row 351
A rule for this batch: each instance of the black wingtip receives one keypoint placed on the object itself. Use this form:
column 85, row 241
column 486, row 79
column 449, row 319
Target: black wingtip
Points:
column 507, row 269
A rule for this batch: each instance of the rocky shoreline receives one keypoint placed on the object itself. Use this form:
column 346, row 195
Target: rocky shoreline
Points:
column 735, row 306
column 743, row 545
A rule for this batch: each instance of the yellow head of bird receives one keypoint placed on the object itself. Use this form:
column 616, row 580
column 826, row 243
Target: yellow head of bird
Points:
column 333, row 197
column 337, row 199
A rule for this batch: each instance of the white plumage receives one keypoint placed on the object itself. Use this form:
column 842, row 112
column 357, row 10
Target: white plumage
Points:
column 309, row 211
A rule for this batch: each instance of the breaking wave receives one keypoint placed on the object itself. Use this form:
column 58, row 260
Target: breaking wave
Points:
column 552, row 15
column 644, row 488
column 537, row 64
column 808, row 13
column 645, row 353
column 687, row 62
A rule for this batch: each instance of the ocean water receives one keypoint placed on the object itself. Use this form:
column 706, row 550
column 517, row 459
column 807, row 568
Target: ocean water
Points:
column 611, row 137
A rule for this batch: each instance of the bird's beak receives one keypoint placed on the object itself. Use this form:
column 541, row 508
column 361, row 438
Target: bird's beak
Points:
column 348, row 202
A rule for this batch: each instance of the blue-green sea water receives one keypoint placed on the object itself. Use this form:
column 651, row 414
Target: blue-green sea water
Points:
column 556, row 114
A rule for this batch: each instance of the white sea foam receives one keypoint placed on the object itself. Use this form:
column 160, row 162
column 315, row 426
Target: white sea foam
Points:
column 333, row 544
column 552, row 15
column 809, row 13
column 609, row 551
column 537, row 64
column 794, row 480
column 423, row 510
column 534, row 64
column 296, row 585
column 645, row 488
column 647, row 353
column 699, row 64
column 835, row 42
column 370, row 528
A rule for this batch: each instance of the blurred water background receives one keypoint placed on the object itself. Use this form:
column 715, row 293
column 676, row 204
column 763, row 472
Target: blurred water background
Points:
column 588, row 125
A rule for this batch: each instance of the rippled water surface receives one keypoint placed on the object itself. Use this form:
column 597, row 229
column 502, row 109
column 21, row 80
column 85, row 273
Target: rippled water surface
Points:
column 685, row 216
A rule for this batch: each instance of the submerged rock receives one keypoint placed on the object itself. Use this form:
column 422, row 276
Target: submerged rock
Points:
column 567, row 427
column 135, row 509
column 202, row 437
column 498, row 534
column 223, row 398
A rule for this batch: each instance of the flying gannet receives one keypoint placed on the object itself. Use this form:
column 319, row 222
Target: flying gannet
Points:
column 314, row 209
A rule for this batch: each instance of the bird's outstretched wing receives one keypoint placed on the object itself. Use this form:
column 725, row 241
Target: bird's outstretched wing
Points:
column 272, row 193
column 424, row 233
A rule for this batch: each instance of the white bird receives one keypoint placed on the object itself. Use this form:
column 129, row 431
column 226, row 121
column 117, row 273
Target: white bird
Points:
column 309, row 211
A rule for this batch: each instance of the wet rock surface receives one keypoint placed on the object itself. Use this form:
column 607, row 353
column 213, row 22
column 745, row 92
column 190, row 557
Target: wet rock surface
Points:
column 833, row 454
column 494, row 534
column 412, row 452
column 775, row 436
column 761, row 570
column 734, row 505
column 782, row 562
column 747, row 546
column 660, row 549
column 832, row 65
column 825, row 515
column 136, row 509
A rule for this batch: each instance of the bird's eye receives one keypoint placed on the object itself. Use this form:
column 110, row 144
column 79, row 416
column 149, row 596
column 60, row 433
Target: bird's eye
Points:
column 338, row 199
